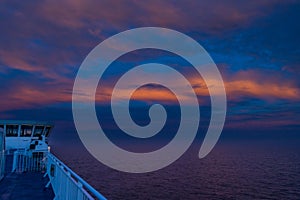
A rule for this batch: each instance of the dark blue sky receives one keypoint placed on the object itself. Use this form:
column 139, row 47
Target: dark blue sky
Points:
column 255, row 45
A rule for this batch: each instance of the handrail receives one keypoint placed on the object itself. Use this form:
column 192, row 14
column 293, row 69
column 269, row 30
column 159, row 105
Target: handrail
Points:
column 78, row 178
column 27, row 161
column 2, row 154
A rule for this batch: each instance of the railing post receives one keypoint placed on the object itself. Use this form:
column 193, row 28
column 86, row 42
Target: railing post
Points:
column 68, row 185
column 14, row 162
column 79, row 191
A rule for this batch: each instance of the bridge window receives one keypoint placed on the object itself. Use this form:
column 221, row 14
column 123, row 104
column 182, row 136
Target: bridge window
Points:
column 12, row 130
column 38, row 131
column 47, row 131
column 2, row 126
column 26, row 131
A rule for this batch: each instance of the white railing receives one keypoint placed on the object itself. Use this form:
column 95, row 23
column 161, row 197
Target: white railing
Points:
column 25, row 161
column 67, row 184
column 2, row 155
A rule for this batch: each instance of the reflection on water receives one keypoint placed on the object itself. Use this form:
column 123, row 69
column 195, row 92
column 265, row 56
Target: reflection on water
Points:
column 235, row 170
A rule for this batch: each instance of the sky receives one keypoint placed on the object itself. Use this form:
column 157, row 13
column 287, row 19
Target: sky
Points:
column 255, row 45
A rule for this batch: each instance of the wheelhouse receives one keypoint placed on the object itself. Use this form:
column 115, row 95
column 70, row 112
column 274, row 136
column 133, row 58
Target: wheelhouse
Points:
column 25, row 134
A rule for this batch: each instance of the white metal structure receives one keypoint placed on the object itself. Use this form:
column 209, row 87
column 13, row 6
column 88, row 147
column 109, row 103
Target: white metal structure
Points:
column 27, row 140
column 67, row 184
column 2, row 150
column 25, row 161
column 26, row 134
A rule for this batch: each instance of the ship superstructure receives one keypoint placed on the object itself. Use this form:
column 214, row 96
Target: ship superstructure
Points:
column 25, row 145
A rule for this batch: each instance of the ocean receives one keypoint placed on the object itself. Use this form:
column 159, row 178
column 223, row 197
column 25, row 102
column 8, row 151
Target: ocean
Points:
column 233, row 170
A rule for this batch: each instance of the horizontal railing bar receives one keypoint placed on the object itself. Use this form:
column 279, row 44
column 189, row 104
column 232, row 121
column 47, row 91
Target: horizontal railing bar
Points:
column 78, row 178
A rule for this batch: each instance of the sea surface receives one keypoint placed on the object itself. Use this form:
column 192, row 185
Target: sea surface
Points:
column 233, row 170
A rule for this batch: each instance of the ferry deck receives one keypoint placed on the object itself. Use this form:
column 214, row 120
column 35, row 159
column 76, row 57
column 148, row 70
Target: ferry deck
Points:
column 29, row 171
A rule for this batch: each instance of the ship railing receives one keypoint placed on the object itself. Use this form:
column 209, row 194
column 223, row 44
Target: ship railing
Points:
column 67, row 184
column 2, row 154
column 28, row 161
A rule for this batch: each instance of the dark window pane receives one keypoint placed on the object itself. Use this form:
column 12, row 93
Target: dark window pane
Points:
column 26, row 130
column 38, row 131
column 12, row 130
column 47, row 131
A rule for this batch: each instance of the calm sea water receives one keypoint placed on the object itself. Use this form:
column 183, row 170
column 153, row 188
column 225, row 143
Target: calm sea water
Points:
column 233, row 170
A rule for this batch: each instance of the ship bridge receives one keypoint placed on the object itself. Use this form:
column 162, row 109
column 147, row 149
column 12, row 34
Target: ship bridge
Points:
column 26, row 134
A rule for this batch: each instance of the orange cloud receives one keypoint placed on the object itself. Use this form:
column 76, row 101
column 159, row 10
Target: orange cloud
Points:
column 265, row 90
column 31, row 97
column 237, row 86
column 151, row 94
column 142, row 94
column 23, row 94
column 254, row 84
column 251, row 83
